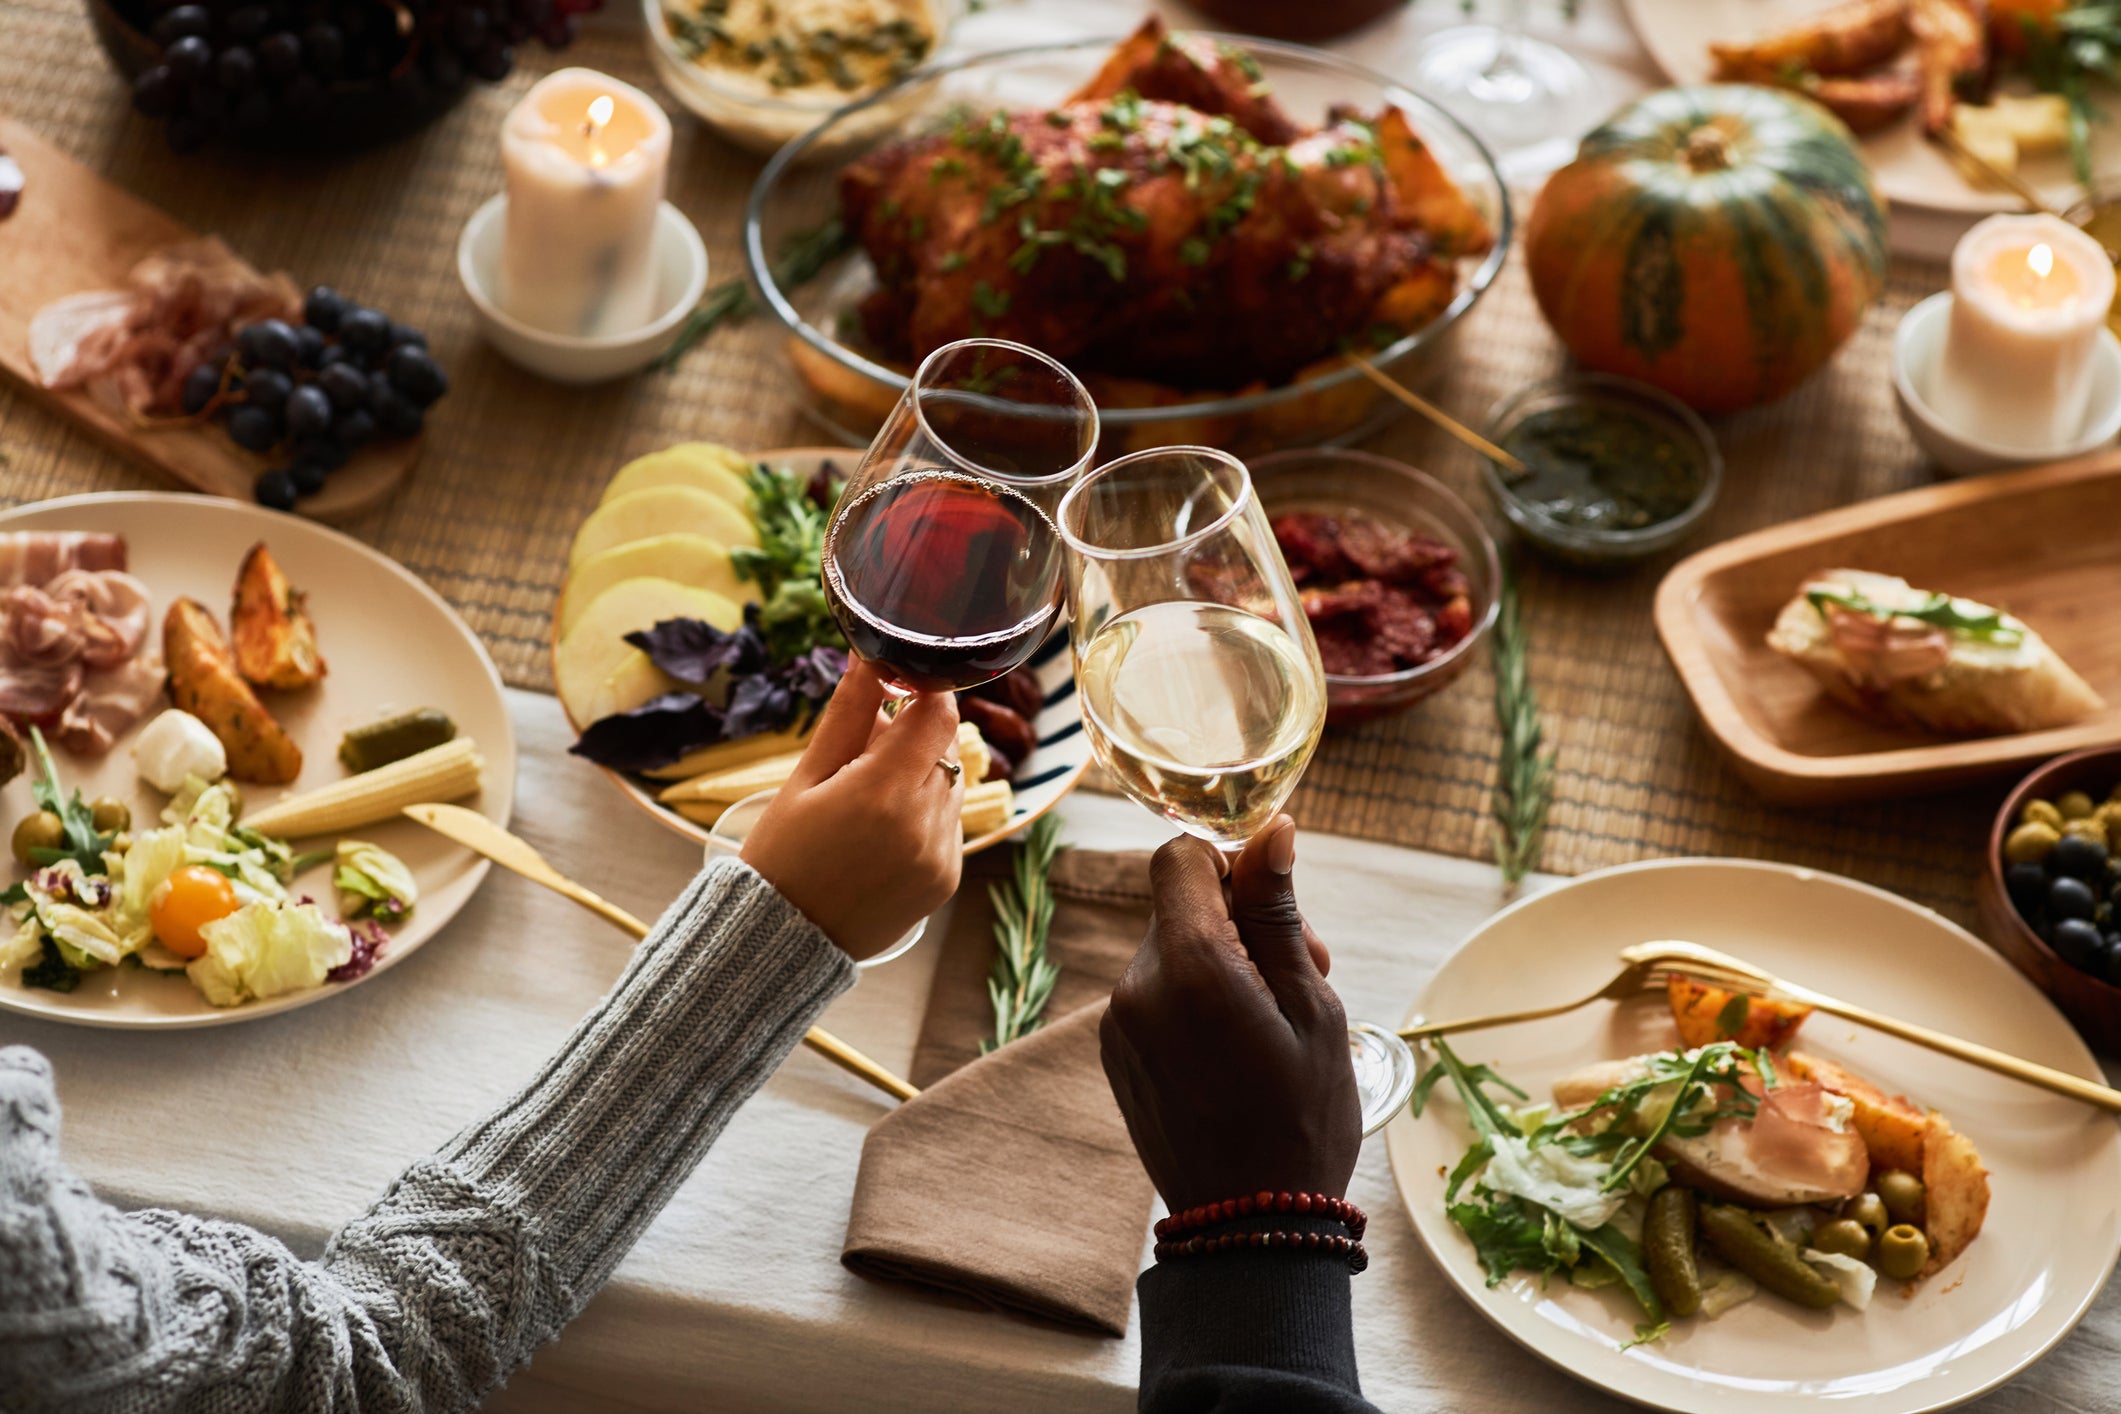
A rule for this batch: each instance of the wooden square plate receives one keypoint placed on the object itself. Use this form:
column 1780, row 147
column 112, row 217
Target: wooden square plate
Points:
column 2043, row 544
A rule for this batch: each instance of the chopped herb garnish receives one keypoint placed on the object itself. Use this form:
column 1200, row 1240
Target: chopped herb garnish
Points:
column 1961, row 616
column 951, row 263
column 989, row 301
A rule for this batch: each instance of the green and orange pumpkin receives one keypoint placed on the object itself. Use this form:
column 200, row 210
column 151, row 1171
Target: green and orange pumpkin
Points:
column 1718, row 241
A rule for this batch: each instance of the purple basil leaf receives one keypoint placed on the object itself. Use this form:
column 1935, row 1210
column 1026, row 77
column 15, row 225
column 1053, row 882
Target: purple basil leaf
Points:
column 816, row 673
column 691, row 650
column 656, row 733
column 758, row 704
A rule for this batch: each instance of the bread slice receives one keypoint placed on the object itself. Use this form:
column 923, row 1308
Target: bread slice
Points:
column 1988, row 684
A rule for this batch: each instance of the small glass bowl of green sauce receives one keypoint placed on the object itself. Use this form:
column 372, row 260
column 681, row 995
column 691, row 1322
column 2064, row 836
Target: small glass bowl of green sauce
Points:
column 1619, row 470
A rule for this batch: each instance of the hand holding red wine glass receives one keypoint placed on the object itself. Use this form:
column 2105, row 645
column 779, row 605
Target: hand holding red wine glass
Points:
column 942, row 563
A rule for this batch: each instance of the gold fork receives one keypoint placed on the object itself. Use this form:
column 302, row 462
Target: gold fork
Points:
column 1644, row 966
column 1694, row 960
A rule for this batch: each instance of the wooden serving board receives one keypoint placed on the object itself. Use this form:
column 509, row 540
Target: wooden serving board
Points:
column 2043, row 544
column 74, row 231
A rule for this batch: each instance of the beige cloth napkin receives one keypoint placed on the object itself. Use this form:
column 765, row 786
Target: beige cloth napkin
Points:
column 1010, row 1179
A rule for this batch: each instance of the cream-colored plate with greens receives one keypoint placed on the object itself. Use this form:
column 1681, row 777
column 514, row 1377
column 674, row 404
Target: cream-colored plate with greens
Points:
column 391, row 644
column 2054, row 1219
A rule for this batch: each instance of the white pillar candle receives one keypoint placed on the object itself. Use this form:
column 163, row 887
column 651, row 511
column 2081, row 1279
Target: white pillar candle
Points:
column 2029, row 302
column 585, row 157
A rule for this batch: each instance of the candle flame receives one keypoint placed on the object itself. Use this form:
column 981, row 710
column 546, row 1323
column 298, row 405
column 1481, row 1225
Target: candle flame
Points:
column 601, row 109
column 2042, row 258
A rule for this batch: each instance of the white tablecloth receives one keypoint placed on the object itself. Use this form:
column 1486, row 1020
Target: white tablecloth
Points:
column 735, row 1299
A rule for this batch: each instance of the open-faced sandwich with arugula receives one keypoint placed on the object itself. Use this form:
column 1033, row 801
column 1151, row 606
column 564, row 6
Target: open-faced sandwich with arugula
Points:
column 1912, row 657
column 1701, row 1177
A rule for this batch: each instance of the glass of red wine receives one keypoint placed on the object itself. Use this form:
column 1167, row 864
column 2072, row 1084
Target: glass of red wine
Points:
column 942, row 563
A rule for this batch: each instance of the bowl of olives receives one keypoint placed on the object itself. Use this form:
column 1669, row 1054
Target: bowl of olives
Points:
column 2051, row 892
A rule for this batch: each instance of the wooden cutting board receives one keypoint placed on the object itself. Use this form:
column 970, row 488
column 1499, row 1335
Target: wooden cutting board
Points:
column 74, row 231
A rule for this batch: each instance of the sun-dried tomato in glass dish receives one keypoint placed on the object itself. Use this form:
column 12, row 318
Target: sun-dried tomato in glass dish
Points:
column 1396, row 573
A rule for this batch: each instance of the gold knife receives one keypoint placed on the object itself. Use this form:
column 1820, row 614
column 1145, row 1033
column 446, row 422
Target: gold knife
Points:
column 482, row 836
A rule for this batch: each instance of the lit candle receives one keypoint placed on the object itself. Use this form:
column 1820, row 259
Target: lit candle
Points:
column 2029, row 302
column 585, row 157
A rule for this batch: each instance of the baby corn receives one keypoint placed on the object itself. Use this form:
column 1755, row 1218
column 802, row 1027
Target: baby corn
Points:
column 450, row 771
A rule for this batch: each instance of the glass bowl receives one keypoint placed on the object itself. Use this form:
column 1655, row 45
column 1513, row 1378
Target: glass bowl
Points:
column 1588, row 547
column 755, row 116
column 847, row 392
column 1336, row 480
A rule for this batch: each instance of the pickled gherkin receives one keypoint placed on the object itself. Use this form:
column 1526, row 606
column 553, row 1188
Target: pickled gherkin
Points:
column 1747, row 1246
column 1668, row 1249
column 395, row 738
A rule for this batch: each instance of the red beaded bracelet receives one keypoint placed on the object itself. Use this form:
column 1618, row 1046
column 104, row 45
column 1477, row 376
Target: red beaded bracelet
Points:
column 1261, row 1204
column 1200, row 1245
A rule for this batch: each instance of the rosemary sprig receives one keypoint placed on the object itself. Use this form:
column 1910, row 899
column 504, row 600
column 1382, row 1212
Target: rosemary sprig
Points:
column 1524, row 780
column 803, row 255
column 1022, row 980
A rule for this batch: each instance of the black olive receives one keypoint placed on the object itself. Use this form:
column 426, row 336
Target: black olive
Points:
column 2078, row 857
column 2071, row 898
column 2077, row 942
column 2027, row 886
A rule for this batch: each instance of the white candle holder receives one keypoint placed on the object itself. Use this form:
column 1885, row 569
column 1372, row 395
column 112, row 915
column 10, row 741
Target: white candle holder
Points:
column 680, row 260
column 1918, row 348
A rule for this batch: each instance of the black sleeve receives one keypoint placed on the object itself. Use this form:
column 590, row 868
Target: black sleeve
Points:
column 1253, row 1332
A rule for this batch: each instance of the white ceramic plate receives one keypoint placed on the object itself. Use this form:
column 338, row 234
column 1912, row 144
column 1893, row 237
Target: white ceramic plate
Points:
column 2054, row 1219
column 391, row 644
column 1909, row 169
column 1040, row 783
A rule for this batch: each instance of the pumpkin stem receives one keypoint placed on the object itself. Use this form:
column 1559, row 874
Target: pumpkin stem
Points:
column 1708, row 149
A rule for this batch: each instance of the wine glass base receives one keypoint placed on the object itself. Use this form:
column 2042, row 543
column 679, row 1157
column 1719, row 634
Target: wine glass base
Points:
column 1513, row 92
column 1384, row 1073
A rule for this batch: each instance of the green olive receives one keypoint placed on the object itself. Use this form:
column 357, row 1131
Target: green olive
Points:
column 1903, row 1251
column 2074, row 804
column 1844, row 1237
column 2041, row 812
column 109, row 815
column 2030, row 843
column 41, row 830
column 1867, row 1210
column 2091, row 827
column 1903, row 1195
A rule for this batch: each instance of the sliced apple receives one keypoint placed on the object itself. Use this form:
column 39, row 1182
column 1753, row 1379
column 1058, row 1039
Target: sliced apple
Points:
column 728, row 755
column 684, row 559
column 629, row 685
column 660, row 510
column 596, row 648
column 704, row 466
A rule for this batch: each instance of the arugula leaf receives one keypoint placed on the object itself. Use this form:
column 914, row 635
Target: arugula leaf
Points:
column 1507, row 1236
column 794, row 616
column 1940, row 610
column 1731, row 1020
column 1486, row 1115
column 51, row 971
column 1624, row 1255
column 84, row 845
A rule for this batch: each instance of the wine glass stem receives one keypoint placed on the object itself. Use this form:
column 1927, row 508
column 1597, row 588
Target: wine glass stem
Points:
column 1509, row 36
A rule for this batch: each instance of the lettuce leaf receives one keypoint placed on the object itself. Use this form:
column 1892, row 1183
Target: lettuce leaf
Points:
column 265, row 949
column 373, row 881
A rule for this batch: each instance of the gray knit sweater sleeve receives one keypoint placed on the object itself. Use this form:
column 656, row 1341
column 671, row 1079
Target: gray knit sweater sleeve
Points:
column 472, row 1257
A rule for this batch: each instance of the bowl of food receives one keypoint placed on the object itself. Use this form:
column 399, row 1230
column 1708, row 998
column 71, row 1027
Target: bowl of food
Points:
column 1397, row 574
column 1200, row 227
column 2051, row 887
column 1617, row 470
column 763, row 72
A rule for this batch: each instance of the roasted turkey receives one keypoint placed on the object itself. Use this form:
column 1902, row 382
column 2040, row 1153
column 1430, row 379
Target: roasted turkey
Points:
column 1168, row 223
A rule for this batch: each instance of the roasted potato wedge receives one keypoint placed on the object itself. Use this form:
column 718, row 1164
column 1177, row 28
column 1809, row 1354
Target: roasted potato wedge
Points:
column 1847, row 39
column 276, row 644
column 1951, row 46
column 1894, row 1129
column 204, row 681
column 1956, row 1201
column 1699, row 1011
column 1426, row 192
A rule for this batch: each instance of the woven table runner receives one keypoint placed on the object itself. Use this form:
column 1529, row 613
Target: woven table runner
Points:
column 513, row 463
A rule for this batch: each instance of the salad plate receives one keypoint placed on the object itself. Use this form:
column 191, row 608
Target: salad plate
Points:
column 2054, row 1221
column 1041, row 780
column 391, row 644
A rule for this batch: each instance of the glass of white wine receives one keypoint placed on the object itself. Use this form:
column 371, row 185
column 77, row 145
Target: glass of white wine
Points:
column 1201, row 688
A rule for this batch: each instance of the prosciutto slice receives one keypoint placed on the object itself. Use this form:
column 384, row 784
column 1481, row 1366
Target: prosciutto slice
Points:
column 70, row 655
column 40, row 556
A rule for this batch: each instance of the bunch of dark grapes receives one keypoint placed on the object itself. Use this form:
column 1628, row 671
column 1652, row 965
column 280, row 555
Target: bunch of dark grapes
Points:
column 252, row 68
column 307, row 395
